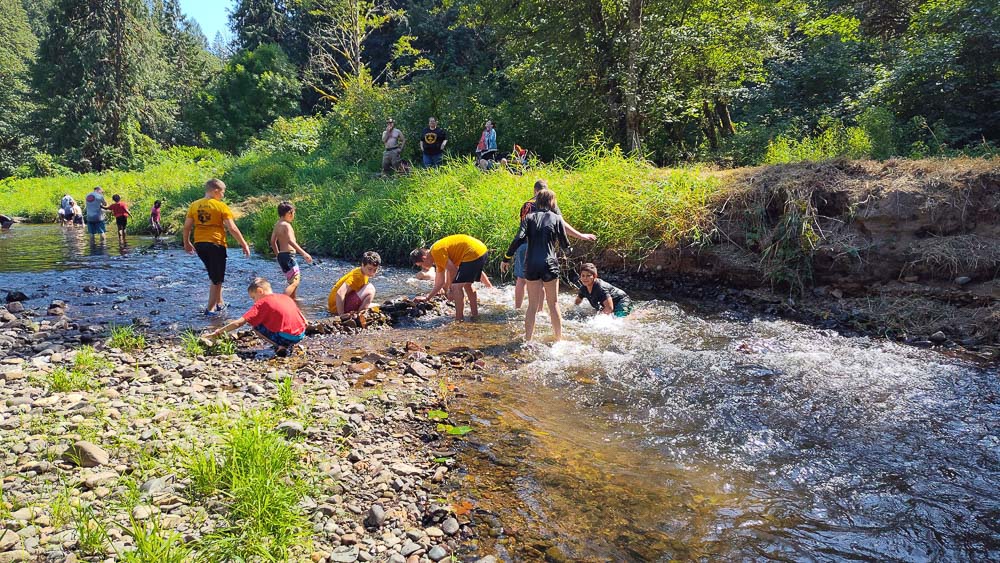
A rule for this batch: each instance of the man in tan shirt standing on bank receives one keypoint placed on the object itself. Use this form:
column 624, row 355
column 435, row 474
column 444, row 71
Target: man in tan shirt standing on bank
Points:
column 393, row 141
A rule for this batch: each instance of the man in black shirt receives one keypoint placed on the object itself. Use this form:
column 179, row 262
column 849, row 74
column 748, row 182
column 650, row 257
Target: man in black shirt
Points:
column 432, row 142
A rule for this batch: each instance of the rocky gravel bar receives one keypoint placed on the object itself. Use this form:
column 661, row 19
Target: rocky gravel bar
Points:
column 105, row 452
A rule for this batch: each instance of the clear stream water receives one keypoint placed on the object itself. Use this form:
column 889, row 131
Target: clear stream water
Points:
column 667, row 435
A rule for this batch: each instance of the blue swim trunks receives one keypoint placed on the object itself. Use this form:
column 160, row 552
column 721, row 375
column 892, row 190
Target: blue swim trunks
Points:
column 96, row 227
column 280, row 338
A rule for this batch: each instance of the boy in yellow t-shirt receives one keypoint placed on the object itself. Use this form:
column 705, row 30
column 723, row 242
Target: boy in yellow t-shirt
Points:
column 458, row 262
column 353, row 292
column 209, row 218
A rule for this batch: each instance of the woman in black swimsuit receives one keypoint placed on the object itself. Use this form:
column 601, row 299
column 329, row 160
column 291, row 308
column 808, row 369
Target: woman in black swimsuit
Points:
column 544, row 232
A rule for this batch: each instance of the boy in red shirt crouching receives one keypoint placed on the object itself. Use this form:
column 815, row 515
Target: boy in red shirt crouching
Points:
column 274, row 316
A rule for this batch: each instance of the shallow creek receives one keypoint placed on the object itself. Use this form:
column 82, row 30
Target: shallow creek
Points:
column 667, row 435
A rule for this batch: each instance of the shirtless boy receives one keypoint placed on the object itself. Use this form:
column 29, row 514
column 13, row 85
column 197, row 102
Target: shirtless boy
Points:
column 283, row 243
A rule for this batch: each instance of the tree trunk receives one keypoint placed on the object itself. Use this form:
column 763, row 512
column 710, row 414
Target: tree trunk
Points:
column 722, row 109
column 710, row 123
column 633, row 118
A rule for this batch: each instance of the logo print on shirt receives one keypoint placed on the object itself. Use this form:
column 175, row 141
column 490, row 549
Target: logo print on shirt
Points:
column 430, row 138
column 204, row 216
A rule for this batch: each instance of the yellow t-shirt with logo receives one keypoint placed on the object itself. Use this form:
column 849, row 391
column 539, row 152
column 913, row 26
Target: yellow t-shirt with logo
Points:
column 458, row 249
column 208, row 215
column 355, row 279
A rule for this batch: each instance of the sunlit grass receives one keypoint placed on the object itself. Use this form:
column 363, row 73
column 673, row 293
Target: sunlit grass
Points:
column 259, row 475
column 126, row 337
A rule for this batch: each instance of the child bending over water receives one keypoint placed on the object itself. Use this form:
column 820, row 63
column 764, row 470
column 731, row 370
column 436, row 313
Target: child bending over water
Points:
column 274, row 316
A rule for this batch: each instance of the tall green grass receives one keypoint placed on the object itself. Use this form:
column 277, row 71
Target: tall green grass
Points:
column 259, row 476
column 631, row 206
column 177, row 179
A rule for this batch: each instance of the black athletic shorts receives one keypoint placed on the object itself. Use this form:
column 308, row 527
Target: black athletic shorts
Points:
column 546, row 273
column 469, row 272
column 121, row 222
column 213, row 257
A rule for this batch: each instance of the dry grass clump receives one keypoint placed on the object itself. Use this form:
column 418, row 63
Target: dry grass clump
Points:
column 922, row 317
column 967, row 255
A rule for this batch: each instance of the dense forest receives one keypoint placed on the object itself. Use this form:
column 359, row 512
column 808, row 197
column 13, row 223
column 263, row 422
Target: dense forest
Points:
column 90, row 85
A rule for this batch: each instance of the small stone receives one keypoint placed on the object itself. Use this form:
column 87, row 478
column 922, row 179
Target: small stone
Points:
column 8, row 540
column 291, row 429
column 376, row 516
column 153, row 486
column 15, row 307
column 409, row 548
column 434, row 532
column 344, row 554
column 142, row 512
column 99, row 479
column 450, row 526
column 349, row 539
column 420, row 369
column 939, row 337
column 17, row 555
column 362, row 368
column 86, row 454
column 962, row 280
column 487, row 559
column 406, row 469
column 437, row 553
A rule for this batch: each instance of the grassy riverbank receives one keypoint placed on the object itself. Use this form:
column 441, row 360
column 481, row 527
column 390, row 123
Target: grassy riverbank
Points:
column 176, row 178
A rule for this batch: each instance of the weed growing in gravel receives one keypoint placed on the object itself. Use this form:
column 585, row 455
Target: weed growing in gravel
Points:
column 60, row 508
column 286, row 393
column 127, row 338
column 153, row 546
column 191, row 343
column 5, row 507
column 204, row 472
column 259, row 474
column 62, row 380
column 88, row 361
column 92, row 536
column 194, row 345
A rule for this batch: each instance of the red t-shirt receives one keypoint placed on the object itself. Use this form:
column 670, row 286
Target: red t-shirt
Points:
column 119, row 209
column 278, row 313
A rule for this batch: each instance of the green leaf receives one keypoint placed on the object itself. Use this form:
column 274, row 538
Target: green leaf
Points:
column 437, row 415
column 459, row 430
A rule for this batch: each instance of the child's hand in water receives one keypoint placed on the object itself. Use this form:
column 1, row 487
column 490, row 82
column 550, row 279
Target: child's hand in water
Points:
column 308, row 258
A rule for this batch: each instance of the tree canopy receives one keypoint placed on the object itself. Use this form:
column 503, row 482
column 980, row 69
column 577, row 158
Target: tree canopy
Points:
column 104, row 83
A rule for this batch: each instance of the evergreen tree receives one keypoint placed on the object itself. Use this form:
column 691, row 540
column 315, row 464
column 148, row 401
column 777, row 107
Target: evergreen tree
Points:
column 258, row 22
column 90, row 79
column 17, row 52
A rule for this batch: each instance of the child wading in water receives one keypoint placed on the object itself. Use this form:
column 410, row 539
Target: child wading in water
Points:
column 154, row 219
column 606, row 298
column 274, row 316
column 353, row 292
column 120, row 210
column 283, row 243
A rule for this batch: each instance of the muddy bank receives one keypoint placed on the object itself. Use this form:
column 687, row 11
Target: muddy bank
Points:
column 101, row 445
column 904, row 249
